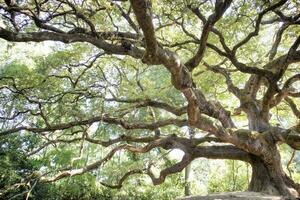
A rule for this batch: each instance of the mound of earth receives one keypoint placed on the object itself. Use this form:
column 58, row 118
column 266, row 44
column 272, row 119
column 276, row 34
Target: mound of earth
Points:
column 235, row 196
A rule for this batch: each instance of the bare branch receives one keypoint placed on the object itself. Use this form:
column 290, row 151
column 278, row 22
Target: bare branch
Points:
column 293, row 106
column 257, row 24
column 124, row 177
column 220, row 8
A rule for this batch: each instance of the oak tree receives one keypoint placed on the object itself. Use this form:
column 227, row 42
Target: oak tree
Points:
column 144, row 70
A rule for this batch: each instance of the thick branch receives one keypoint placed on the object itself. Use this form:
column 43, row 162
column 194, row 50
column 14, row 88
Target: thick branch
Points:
column 143, row 12
column 104, row 118
column 221, row 152
column 69, row 38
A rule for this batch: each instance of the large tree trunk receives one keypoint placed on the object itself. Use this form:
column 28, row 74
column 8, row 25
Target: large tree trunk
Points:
column 261, row 180
column 267, row 172
column 271, row 179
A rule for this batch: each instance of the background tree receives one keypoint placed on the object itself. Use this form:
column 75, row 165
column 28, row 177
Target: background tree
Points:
column 138, row 72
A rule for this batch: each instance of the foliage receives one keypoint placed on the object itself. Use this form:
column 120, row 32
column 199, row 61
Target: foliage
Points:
column 234, row 178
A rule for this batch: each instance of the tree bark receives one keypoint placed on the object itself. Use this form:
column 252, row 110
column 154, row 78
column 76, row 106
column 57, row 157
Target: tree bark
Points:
column 271, row 179
column 261, row 180
column 267, row 172
column 187, row 185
